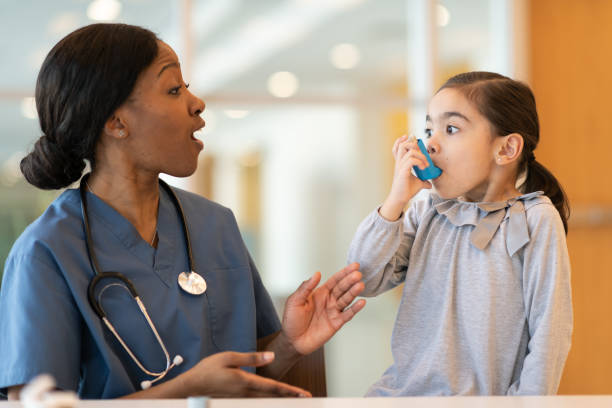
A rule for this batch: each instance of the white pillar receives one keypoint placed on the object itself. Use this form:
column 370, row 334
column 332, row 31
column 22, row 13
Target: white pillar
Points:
column 509, row 44
column 422, row 57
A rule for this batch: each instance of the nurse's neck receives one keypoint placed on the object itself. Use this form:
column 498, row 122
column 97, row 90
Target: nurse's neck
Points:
column 135, row 195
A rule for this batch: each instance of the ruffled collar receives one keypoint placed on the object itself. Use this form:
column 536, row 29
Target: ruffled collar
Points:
column 487, row 217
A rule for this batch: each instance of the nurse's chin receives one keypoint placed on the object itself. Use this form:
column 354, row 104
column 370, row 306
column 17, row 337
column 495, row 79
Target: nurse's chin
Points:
column 186, row 170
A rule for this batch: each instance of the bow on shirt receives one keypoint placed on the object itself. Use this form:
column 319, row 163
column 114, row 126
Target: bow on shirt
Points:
column 462, row 213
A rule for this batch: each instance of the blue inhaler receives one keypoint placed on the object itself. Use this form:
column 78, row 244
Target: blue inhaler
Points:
column 431, row 171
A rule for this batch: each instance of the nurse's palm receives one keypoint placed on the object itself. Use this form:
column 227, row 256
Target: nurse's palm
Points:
column 312, row 316
column 220, row 376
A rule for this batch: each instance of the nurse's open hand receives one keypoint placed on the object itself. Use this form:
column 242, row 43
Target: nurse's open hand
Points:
column 312, row 316
column 220, row 376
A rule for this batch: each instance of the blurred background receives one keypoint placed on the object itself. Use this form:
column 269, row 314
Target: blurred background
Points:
column 304, row 100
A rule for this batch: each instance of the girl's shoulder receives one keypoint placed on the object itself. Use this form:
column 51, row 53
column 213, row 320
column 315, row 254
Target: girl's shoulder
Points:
column 541, row 213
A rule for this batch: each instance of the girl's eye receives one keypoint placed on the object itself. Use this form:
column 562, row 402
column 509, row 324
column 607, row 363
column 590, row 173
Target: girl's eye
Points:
column 450, row 129
column 187, row 86
column 427, row 133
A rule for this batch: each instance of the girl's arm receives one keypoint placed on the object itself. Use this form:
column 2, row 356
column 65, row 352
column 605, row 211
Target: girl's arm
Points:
column 548, row 304
column 382, row 248
column 384, row 239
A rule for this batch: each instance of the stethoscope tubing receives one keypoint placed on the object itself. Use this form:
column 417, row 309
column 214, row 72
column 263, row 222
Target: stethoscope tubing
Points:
column 99, row 276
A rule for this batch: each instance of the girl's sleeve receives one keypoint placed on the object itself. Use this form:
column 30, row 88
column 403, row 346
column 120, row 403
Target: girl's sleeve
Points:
column 548, row 303
column 382, row 249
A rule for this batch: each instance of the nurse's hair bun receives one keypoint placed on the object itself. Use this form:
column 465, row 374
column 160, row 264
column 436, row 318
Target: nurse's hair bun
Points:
column 84, row 79
column 49, row 166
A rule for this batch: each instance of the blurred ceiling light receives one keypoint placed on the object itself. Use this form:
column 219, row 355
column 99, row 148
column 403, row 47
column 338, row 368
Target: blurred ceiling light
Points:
column 283, row 84
column 251, row 43
column 104, row 10
column 442, row 15
column 236, row 113
column 345, row 56
column 28, row 108
column 63, row 23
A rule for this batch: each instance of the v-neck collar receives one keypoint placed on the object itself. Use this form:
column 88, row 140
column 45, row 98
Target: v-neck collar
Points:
column 160, row 259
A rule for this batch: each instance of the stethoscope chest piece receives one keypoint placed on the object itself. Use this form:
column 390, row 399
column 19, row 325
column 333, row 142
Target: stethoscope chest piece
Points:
column 192, row 283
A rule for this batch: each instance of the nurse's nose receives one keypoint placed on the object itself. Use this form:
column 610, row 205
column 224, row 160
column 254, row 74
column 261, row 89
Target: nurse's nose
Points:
column 196, row 106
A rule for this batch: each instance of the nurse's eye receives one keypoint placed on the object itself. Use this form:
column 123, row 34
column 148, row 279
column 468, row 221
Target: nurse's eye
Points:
column 450, row 129
column 428, row 133
column 175, row 90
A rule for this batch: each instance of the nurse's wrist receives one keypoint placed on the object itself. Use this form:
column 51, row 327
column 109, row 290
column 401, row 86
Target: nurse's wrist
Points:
column 285, row 353
column 289, row 350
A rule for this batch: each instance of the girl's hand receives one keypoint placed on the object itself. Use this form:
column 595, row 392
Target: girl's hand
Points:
column 220, row 376
column 405, row 185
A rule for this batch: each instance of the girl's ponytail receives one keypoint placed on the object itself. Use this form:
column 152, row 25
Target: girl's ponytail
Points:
column 540, row 178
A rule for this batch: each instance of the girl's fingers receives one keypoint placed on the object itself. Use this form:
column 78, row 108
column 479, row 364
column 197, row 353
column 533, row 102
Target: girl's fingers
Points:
column 407, row 146
column 414, row 158
column 397, row 143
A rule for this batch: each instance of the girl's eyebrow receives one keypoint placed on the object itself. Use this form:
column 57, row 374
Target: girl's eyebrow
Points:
column 447, row 115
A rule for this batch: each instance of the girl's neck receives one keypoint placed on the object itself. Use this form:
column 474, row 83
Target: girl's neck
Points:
column 491, row 196
column 493, row 190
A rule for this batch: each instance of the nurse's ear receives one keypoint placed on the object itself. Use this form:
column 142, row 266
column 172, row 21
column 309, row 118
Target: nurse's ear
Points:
column 115, row 127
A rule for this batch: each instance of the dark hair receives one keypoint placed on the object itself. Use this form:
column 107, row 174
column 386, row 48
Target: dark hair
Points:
column 83, row 80
column 510, row 107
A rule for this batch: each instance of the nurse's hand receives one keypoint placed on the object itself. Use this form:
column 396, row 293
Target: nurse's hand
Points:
column 220, row 376
column 312, row 316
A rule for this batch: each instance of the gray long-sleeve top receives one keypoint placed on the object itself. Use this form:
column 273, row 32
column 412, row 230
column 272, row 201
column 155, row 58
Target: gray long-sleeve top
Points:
column 486, row 305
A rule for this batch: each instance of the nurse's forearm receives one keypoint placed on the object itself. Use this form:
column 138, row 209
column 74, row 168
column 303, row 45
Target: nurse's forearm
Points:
column 285, row 355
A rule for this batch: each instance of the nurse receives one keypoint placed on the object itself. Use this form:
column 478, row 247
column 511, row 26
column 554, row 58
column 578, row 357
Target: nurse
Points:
column 113, row 94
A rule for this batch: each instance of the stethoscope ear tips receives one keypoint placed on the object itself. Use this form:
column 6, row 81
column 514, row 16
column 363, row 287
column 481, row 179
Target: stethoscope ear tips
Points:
column 145, row 385
column 178, row 360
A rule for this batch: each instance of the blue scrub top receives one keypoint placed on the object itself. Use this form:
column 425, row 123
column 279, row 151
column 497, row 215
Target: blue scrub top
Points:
column 48, row 326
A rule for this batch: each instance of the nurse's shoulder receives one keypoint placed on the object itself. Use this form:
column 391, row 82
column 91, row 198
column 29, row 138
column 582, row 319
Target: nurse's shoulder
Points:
column 58, row 226
column 202, row 211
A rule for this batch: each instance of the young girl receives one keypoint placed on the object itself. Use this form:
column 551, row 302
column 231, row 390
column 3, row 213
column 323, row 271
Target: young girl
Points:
column 486, row 305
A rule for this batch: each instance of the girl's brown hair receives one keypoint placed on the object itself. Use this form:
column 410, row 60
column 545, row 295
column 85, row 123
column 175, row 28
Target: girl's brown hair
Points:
column 510, row 107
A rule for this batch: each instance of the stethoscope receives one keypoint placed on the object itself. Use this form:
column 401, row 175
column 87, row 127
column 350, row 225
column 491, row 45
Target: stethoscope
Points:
column 190, row 282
